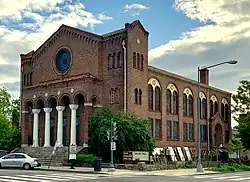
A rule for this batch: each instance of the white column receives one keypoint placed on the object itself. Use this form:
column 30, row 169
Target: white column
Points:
column 60, row 125
column 35, row 127
column 47, row 127
column 73, row 108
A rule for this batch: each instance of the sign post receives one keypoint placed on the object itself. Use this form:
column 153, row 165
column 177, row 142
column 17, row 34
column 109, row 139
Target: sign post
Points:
column 72, row 155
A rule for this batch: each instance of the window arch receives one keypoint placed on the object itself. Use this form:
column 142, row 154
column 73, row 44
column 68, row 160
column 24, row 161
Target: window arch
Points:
column 213, row 105
column 225, row 110
column 188, row 103
column 136, row 95
column 203, row 105
column 134, row 59
column 168, row 96
column 150, row 97
column 31, row 78
column 157, row 98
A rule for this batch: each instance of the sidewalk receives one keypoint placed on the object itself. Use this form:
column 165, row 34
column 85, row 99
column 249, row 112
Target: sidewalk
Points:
column 121, row 172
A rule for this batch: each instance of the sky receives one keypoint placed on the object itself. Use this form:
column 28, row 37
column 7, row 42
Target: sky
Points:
column 184, row 34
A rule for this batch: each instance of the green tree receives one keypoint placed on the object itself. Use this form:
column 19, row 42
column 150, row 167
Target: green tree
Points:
column 242, row 108
column 10, row 132
column 133, row 133
column 242, row 97
column 235, row 146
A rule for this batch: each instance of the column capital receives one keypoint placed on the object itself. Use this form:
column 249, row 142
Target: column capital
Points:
column 36, row 111
column 60, row 108
column 47, row 109
column 73, row 106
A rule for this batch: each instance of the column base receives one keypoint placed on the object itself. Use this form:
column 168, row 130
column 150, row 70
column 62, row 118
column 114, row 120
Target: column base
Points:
column 46, row 146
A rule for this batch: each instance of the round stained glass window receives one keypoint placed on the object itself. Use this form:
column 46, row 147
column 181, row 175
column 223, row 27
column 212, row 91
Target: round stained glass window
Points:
column 63, row 60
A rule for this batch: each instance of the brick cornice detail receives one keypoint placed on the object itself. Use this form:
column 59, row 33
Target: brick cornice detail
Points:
column 86, row 76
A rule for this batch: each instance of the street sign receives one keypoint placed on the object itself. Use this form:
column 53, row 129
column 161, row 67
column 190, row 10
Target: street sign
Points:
column 113, row 146
column 72, row 152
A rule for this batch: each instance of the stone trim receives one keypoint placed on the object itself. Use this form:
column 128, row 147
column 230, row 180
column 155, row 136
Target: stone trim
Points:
column 97, row 105
column 88, row 104
column 25, row 112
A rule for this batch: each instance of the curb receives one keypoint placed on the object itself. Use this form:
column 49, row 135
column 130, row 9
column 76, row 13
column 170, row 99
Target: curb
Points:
column 72, row 171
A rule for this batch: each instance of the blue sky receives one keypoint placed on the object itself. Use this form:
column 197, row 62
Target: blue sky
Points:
column 184, row 34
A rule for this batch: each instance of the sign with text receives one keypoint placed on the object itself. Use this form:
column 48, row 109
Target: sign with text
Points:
column 136, row 155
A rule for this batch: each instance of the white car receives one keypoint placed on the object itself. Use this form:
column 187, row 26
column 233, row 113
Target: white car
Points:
column 19, row 160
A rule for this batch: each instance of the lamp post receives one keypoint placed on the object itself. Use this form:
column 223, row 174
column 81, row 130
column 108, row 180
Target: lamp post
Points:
column 199, row 165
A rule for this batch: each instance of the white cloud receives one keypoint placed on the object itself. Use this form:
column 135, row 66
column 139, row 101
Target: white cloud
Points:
column 27, row 36
column 134, row 9
column 224, row 35
column 104, row 17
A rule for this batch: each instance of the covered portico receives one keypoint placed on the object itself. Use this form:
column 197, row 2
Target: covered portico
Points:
column 58, row 120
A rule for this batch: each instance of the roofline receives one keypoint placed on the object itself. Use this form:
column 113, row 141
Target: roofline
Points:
column 164, row 72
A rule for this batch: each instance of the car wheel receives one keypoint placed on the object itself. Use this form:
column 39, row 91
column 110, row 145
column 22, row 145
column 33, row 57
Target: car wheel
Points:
column 26, row 166
column 0, row 165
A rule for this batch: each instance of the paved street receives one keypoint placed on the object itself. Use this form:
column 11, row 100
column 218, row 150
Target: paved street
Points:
column 11, row 175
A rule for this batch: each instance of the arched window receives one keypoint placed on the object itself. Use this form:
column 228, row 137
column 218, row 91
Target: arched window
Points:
column 110, row 61
column 184, row 104
column 157, row 98
column 28, row 79
column 134, row 59
column 227, row 113
column 211, row 108
column 150, row 97
column 175, row 103
column 142, row 62
column 119, row 63
column 136, row 96
column 215, row 107
column 138, row 61
column 204, row 108
column 168, row 96
column 140, row 96
column 113, row 60
column 117, row 95
column 190, row 105
column 223, row 111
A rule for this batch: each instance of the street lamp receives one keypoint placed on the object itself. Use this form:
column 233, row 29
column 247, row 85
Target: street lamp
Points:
column 199, row 165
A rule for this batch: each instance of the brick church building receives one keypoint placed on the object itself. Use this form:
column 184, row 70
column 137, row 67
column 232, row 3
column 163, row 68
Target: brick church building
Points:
column 75, row 72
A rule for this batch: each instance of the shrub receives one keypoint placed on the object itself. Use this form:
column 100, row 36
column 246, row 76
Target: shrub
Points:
column 85, row 159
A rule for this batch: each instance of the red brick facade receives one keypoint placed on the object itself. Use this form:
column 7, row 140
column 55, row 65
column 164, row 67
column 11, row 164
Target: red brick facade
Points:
column 96, row 79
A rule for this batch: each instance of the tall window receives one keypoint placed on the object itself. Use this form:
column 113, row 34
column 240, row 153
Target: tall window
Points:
column 150, row 97
column 142, row 62
column 169, row 130
column 215, row 107
column 203, row 133
column 151, row 125
column 190, row 105
column 136, row 96
column 168, row 96
column 226, row 113
column 112, row 96
column 175, row 103
column 222, row 111
column 158, row 129
column 185, row 111
column 110, row 64
column 172, row 130
column 113, row 60
column 134, row 59
column 204, row 108
column 211, row 108
column 119, row 63
column 140, row 96
column 188, row 131
column 157, row 98
column 138, row 61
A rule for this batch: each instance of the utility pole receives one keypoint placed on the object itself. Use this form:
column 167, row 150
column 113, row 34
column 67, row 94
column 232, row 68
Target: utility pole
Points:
column 112, row 137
